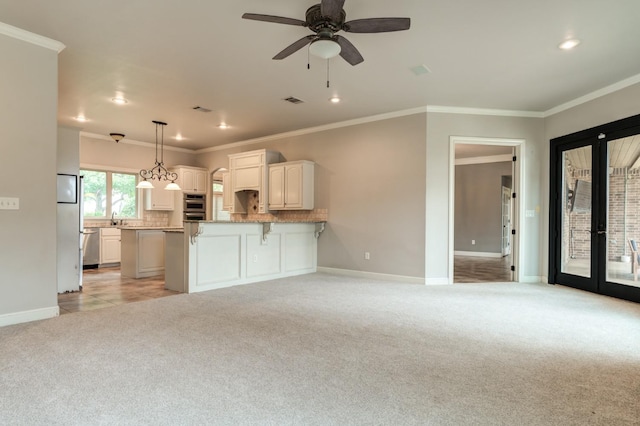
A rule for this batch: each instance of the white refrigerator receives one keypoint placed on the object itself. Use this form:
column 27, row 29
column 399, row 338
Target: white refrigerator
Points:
column 70, row 235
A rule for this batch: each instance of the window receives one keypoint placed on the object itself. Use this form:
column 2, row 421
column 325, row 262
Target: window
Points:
column 107, row 193
column 216, row 203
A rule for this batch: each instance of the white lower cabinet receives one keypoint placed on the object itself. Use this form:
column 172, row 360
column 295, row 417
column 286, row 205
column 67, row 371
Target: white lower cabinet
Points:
column 109, row 245
column 142, row 253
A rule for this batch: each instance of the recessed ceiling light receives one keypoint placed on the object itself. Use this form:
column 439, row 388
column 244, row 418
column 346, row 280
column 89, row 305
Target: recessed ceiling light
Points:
column 119, row 101
column 334, row 99
column 223, row 126
column 179, row 137
column 569, row 44
column 81, row 118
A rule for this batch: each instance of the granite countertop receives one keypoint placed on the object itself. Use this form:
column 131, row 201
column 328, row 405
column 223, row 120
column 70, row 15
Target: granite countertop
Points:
column 143, row 228
column 255, row 221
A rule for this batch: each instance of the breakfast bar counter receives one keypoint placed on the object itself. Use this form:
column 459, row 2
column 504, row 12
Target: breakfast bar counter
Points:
column 208, row 255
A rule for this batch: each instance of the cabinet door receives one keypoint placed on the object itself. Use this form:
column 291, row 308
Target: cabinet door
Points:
column 110, row 250
column 248, row 178
column 227, row 193
column 276, row 187
column 150, row 251
column 293, row 186
column 188, row 178
column 201, row 182
column 158, row 198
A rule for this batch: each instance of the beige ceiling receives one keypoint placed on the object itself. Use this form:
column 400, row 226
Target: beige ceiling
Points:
column 166, row 57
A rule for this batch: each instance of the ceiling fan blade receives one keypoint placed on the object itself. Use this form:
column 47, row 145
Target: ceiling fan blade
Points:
column 377, row 25
column 274, row 19
column 294, row 47
column 348, row 51
column 332, row 9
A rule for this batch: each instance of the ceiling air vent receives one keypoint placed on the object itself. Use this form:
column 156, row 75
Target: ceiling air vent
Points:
column 293, row 100
column 201, row 109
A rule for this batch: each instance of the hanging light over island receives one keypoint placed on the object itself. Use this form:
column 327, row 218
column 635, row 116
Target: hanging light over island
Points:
column 158, row 171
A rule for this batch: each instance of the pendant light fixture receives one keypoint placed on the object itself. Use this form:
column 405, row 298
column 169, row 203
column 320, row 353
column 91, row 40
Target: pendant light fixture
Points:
column 159, row 172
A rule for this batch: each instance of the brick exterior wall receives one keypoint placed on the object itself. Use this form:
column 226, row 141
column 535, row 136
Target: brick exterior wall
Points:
column 576, row 226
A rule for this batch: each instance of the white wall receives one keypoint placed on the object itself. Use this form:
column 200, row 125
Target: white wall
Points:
column 440, row 127
column 478, row 207
column 28, row 134
column 371, row 178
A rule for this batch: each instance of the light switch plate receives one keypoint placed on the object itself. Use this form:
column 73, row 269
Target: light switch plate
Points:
column 9, row 203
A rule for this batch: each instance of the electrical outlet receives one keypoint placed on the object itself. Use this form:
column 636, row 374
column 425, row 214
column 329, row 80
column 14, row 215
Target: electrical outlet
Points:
column 367, row 255
column 255, row 258
column 9, row 203
column 473, row 242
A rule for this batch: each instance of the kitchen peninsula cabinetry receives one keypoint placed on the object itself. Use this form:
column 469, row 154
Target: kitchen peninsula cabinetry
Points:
column 158, row 198
column 109, row 245
column 249, row 172
column 192, row 180
column 211, row 255
column 291, row 185
column 142, row 252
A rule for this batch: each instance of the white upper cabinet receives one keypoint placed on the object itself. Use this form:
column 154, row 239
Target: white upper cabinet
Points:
column 158, row 198
column 227, row 192
column 249, row 172
column 191, row 179
column 291, row 185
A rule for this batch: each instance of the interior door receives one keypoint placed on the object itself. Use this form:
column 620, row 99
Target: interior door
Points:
column 595, row 193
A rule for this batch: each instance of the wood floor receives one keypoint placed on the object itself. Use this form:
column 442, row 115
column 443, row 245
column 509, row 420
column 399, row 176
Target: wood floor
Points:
column 468, row 269
column 104, row 287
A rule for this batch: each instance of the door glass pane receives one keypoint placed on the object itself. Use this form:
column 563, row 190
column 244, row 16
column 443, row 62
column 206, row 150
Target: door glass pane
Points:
column 623, row 221
column 576, row 214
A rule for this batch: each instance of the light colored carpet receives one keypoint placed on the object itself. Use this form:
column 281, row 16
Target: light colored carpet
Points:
column 327, row 350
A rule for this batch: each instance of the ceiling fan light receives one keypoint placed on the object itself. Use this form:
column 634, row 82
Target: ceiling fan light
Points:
column 325, row 49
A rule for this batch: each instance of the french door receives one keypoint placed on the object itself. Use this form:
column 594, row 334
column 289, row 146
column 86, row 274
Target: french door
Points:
column 595, row 209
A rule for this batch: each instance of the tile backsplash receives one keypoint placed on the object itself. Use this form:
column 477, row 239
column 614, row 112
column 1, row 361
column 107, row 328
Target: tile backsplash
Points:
column 149, row 218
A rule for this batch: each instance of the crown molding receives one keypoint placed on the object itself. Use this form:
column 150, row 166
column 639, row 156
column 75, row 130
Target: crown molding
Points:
column 594, row 95
column 484, row 111
column 138, row 143
column 29, row 37
column 340, row 124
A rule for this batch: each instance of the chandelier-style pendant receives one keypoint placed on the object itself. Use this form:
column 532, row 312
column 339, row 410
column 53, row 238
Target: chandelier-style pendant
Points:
column 159, row 171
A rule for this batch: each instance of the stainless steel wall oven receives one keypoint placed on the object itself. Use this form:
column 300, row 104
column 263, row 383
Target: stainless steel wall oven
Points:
column 194, row 207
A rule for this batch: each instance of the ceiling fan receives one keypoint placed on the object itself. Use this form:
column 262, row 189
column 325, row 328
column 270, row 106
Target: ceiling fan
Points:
column 325, row 20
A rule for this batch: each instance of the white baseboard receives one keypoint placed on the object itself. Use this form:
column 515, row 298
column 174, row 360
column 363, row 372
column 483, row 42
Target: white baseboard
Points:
column 27, row 316
column 477, row 254
column 372, row 275
column 437, row 281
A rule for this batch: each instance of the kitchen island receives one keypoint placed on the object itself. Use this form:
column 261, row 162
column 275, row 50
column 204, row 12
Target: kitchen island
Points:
column 208, row 255
column 142, row 251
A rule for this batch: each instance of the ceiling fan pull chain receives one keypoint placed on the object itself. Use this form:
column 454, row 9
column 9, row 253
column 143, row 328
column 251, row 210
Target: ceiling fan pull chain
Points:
column 308, row 58
column 327, row 73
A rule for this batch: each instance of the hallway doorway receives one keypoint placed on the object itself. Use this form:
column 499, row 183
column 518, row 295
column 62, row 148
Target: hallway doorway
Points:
column 485, row 177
